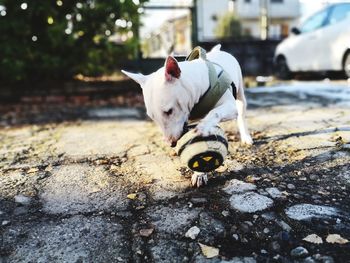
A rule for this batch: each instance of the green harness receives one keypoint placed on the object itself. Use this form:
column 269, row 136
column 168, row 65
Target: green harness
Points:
column 218, row 85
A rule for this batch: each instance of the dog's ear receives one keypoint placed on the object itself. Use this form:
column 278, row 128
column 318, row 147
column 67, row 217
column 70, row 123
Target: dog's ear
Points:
column 138, row 77
column 216, row 48
column 172, row 69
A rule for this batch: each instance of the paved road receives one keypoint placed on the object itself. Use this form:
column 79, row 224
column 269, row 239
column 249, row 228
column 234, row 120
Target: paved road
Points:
column 106, row 188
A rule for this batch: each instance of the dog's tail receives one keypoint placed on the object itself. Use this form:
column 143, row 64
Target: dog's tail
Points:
column 216, row 48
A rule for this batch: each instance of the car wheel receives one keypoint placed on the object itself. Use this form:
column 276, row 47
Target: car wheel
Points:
column 346, row 66
column 282, row 69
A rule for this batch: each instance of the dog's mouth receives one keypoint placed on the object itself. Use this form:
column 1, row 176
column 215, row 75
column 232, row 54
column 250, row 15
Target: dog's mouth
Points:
column 185, row 129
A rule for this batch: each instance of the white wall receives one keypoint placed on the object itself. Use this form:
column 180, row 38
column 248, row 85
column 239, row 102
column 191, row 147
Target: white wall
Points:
column 207, row 9
column 286, row 9
column 247, row 10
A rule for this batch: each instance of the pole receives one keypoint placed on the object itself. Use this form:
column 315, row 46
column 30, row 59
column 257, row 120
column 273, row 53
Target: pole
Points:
column 194, row 23
column 264, row 23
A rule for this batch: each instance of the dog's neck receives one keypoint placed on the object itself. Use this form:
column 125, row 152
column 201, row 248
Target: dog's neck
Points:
column 195, row 79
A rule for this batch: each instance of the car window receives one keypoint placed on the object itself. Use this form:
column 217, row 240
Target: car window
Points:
column 339, row 12
column 314, row 22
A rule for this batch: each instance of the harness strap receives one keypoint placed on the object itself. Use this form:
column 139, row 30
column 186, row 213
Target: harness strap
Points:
column 218, row 85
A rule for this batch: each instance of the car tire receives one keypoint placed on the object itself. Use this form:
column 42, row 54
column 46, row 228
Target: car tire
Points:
column 346, row 65
column 282, row 70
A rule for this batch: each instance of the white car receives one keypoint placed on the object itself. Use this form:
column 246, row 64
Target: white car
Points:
column 320, row 44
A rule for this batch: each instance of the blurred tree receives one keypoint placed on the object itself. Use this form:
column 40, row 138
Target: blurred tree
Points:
column 228, row 26
column 56, row 39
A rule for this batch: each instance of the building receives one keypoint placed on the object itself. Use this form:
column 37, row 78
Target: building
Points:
column 172, row 37
column 267, row 19
column 260, row 19
column 208, row 13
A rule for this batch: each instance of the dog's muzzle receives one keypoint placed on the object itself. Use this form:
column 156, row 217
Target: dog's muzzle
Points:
column 185, row 129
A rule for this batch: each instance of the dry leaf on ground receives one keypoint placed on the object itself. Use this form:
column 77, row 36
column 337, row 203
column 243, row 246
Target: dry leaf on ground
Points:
column 208, row 251
column 313, row 238
column 335, row 238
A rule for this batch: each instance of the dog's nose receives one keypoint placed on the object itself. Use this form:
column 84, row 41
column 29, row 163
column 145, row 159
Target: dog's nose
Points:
column 170, row 141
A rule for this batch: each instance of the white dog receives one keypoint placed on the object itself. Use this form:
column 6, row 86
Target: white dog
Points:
column 172, row 91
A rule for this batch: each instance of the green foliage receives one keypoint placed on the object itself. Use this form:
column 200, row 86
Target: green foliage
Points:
column 56, row 39
column 228, row 26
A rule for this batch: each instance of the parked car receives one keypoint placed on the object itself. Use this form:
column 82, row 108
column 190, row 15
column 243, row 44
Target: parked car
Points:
column 320, row 44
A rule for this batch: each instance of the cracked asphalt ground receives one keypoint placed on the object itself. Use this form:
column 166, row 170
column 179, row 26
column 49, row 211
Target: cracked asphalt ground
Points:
column 97, row 184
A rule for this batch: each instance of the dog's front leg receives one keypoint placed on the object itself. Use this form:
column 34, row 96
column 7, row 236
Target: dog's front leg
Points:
column 198, row 179
column 224, row 112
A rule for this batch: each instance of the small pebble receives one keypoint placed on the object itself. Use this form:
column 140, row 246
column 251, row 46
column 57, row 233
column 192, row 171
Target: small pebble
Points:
column 132, row 196
column 327, row 259
column 269, row 216
column 5, row 223
column 277, row 257
column 21, row 199
column 244, row 227
column 274, row 192
column 275, row 246
column 298, row 196
column 313, row 177
column 146, row 232
column 248, row 223
column 299, row 252
column 225, row 213
column 234, row 229
column 309, row 260
column 284, row 225
column 237, row 186
column 266, row 230
column 235, row 236
column 291, row 186
column 198, row 200
column 192, row 232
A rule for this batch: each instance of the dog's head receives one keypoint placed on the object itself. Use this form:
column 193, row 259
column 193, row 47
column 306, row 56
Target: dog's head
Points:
column 165, row 98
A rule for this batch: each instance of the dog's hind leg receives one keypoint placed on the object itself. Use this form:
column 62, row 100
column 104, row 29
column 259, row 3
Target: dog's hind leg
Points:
column 241, row 104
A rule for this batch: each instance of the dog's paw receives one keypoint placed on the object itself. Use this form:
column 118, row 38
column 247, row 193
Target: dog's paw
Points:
column 247, row 139
column 203, row 129
column 199, row 179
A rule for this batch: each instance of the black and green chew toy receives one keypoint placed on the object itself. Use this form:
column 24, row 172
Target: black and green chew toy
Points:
column 202, row 154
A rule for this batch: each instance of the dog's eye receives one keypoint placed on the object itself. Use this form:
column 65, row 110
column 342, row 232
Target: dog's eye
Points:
column 168, row 112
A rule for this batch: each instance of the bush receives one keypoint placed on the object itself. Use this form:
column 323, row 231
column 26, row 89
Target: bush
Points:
column 228, row 26
column 57, row 39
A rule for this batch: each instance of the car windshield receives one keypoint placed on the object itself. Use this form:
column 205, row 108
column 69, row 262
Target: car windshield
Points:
column 339, row 13
column 314, row 22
